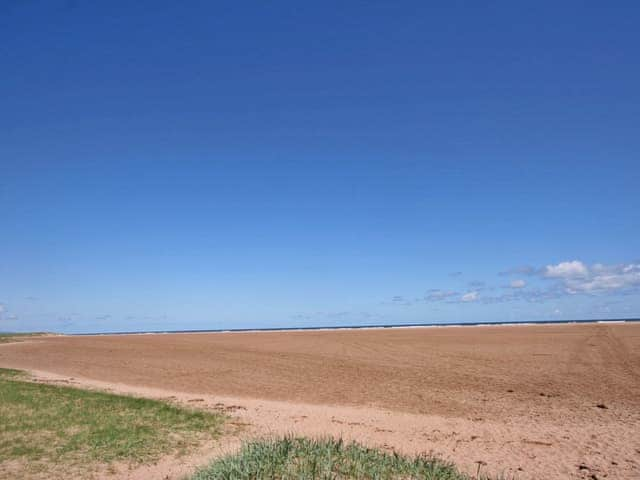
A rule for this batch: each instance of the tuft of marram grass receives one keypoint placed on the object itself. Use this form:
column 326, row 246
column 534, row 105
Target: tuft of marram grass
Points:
column 292, row 458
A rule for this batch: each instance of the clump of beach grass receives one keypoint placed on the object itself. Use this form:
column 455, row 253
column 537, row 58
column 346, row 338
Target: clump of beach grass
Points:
column 57, row 428
column 293, row 458
column 7, row 337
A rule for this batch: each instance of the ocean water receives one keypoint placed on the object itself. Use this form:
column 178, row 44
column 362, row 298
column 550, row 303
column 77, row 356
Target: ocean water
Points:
column 359, row 327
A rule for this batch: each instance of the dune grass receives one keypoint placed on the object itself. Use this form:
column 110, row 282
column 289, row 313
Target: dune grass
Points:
column 57, row 428
column 6, row 337
column 306, row 459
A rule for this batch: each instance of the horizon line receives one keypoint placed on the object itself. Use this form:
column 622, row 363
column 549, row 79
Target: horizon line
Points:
column 352, row 327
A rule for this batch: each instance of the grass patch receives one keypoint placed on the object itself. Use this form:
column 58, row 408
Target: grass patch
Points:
column 54, row 427
column 17, row 337
column 301, row 458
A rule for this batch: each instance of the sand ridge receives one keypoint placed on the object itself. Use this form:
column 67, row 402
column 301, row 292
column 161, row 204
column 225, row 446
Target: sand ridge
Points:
column 552, row 401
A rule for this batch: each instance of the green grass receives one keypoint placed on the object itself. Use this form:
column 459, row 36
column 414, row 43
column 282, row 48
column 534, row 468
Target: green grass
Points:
column 6, row 337
column 306, row 459
column 54, row 427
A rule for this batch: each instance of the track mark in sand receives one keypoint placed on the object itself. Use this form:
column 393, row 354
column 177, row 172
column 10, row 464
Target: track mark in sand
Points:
column 228, row 408
column 383, row 430
column 352, row 424
column 537, row 442
column 621, row 353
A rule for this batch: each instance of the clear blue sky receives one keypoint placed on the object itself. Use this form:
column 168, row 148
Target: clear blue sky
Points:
column 173, row 165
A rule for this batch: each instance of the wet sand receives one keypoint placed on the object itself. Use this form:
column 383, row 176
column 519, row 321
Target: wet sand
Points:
column 552, row 401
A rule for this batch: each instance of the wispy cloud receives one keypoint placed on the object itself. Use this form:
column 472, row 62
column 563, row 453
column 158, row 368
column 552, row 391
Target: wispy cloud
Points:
column 520, row 270
column 7, row 318
column 518, row 283
column 532, row 295
column 436, row 295
column 470, row 297
column 401, row 300
column 321, row 315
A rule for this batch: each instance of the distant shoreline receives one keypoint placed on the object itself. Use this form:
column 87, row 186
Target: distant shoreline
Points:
column 360, row 327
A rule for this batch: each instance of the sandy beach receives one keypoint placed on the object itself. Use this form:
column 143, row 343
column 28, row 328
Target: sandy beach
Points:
column 541, row 401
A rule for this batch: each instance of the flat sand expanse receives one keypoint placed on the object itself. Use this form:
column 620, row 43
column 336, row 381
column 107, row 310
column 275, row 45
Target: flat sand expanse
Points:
column 544, row 401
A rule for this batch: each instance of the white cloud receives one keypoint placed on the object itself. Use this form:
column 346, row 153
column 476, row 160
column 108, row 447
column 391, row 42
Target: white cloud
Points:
column 562, row 279
column 573, row 269
column 606, row 278
column 470, row 297
column 576, row 277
